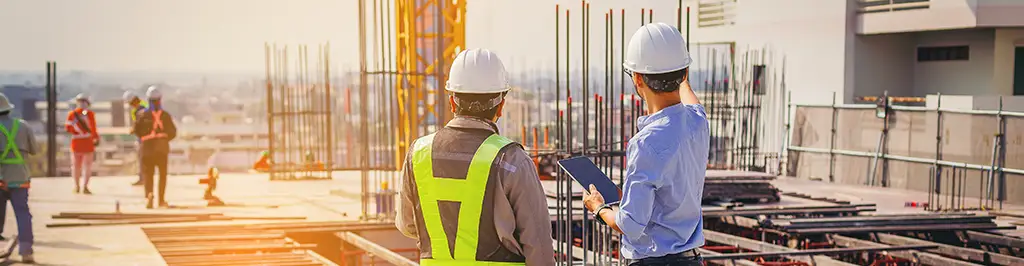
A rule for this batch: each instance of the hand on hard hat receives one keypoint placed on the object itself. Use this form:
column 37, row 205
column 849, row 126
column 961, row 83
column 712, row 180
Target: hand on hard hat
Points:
column 656, row 48
column 477, row 71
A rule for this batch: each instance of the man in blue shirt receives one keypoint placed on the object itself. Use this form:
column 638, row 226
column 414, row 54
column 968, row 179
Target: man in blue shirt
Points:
column 659, row 216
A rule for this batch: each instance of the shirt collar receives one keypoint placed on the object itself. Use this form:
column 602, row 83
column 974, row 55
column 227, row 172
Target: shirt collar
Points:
column 472, row 123
column 643, row 121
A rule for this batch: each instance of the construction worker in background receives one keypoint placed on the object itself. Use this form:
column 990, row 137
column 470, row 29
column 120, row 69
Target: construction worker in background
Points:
column 155, row 129
column 135, row 107
column 659, row 216
column 14, row 175
column 475, row 191
column 81, row 124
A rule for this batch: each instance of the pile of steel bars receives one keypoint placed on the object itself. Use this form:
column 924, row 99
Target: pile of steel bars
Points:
column 883, row 223
column 739, row 186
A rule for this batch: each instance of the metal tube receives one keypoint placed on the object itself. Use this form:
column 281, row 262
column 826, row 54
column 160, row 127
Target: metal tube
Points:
column 587, row 228
column 558, row 131
column 567, row 139
column 622, row 96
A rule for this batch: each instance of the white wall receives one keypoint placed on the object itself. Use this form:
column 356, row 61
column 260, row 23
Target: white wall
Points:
column 809, row 35
column 971, row 77
column 940, row 15
column 1000, row 13
column 1006, row 42
column 884, row 62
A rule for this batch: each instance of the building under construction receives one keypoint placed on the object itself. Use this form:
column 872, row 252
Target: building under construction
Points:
column 883, row 178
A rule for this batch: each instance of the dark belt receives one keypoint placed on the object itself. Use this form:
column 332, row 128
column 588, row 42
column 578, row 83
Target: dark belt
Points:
column 689, row 254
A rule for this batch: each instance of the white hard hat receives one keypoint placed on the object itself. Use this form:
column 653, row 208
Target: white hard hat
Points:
column 129, row 96
column 82, row 97
column 153, row 93
column 656, row 48
column 477, row 71
column 5, row 103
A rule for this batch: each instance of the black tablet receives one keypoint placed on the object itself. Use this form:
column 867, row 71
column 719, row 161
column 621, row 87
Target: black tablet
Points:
column 586, row 173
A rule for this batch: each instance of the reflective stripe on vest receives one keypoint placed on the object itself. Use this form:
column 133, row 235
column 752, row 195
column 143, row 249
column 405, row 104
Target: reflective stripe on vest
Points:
column 157, row 124
column 468, row 192
column 12, row 145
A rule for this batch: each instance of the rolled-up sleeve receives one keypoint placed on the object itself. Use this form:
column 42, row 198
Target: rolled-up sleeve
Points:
column 405, row 221
column 530, row 208
column 643, row 173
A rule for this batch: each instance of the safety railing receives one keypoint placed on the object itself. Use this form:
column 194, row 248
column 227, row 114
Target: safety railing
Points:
column 936, row 142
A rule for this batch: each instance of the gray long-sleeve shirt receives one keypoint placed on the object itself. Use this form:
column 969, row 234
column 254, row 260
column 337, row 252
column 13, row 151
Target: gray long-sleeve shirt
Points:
column 26, row 142
column 521, row 217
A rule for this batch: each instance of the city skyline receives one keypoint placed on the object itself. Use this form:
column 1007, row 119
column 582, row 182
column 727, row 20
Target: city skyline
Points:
column 228, row 36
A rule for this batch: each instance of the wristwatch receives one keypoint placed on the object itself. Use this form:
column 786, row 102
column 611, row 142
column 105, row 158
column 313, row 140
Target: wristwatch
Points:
column 597, row 214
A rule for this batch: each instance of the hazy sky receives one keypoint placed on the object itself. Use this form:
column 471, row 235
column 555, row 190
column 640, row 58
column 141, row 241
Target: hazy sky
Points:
column 228, row 35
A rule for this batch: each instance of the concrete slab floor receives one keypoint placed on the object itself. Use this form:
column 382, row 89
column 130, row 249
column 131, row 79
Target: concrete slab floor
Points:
column 128, row 245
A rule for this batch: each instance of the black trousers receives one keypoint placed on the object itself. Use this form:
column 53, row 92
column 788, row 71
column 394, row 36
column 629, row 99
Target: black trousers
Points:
column 670, row 260
column 150, row 162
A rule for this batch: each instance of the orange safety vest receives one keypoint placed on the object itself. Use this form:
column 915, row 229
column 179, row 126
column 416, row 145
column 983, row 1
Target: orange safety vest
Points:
column 157, row 124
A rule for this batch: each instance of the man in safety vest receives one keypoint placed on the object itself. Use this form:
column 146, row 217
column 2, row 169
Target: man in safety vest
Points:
column 155, row 130
column 81, row 124
column 14, row 174
column 135, row 107
column 469, row 195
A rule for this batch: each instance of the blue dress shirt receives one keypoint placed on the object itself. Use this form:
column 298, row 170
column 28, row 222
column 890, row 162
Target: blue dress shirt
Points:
column 666, row 163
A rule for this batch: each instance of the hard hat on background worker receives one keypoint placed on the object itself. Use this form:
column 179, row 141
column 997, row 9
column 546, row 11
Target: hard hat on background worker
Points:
column 5, row 104
column 129, row 96
column 153, row 93
column 83, row 100
column 656, row 48
column 477, row 71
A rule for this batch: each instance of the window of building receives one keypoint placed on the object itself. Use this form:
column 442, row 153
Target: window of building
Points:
column 943, row 53
column 711, row 13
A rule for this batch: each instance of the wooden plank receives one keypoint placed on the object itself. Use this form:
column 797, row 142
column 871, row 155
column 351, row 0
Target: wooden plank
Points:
column 994, row 239
column 136, row 221
column 185, row 251
column 952, row 251
column 768, row 247
column 376, row 250
column 215, row 237
column 246, row 262
column 912, row 255
column 234, row 257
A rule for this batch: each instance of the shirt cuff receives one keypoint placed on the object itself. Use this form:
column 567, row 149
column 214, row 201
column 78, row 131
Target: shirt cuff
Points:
column 631, row 229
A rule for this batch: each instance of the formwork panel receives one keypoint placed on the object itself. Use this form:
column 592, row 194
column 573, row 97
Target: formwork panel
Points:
column 810, row 165
column 1014, row 142
column 857, row 130
column 912, row 133
column 968, row 138
column 853, row 170
column 812, row 127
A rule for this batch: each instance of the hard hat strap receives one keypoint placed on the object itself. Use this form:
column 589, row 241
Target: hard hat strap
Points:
column 478, row 106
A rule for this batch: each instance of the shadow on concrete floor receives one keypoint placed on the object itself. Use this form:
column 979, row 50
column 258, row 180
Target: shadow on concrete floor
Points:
column 11, row 262
column 65, row 245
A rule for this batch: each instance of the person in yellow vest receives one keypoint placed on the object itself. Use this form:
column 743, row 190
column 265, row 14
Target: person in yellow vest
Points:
column 469, row 195
column 14, row 174
column 135, row 107
column 155, row 129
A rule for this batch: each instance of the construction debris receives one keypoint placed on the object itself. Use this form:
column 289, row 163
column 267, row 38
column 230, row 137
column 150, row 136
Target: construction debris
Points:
column 739, row 186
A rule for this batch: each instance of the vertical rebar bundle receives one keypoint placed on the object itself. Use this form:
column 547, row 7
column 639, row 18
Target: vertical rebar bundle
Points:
column 299, row 114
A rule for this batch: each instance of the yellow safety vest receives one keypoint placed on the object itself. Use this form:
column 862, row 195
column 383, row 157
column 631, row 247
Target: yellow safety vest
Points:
column 468, row 192
column 12, row 145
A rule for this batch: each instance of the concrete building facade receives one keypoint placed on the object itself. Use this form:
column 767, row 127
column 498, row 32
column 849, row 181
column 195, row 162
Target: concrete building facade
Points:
column 865, row 47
